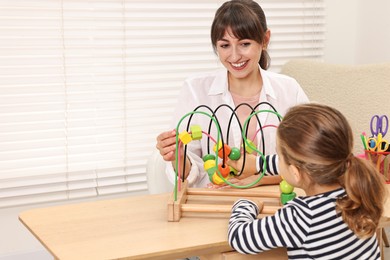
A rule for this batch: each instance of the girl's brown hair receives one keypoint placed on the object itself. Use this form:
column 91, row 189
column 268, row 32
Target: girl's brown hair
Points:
column 318, row 140
column 246, row 20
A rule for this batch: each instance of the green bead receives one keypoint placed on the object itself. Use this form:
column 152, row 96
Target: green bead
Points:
column 284, row 198
column 208, row 157
column 196, row 132
column 235, row 154
column 285, row 187
column 212, row 170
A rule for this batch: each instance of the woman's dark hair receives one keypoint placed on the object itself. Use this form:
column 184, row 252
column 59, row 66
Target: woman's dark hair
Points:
column 246, row 19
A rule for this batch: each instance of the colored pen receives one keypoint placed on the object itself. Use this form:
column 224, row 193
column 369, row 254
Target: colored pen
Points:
column 365, row 144
column 364, row 141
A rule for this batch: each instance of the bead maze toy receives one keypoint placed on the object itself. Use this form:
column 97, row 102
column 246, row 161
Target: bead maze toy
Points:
column 197, row 201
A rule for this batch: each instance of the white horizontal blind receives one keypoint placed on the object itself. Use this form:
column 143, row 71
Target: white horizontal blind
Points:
column 86, row 85
column 297, row 30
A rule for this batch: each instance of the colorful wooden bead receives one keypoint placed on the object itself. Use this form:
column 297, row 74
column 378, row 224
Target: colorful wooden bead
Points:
column 216, row 179
column 208, row 157
column 217, row 146
column 285, row 187
column 284, row 198
column 233, row 172
column 226, row 149
column 248, row 148
column 211, row 170
column 196, row 132
column 235, row 154
column 209, row 164
column 185, row 137
column 287, row 193
column 224, row 170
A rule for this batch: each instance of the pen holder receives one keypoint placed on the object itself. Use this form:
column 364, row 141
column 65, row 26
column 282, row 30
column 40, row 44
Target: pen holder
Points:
column 381, row 160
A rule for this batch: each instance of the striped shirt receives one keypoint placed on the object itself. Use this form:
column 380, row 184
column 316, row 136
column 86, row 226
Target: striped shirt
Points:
column 309, row 227
column 271, row 166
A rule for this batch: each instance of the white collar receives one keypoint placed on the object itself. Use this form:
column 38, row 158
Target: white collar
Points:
column 220, row 83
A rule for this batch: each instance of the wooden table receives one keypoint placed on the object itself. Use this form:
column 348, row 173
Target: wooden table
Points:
column 135, row 227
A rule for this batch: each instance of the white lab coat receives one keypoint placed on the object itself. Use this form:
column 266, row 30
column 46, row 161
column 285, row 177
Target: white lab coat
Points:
column 211, row 89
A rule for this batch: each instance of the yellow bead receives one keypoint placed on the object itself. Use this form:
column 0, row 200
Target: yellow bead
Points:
column 247, row 148
column 233, row 172
column 217, row 180
column 185, row 137
column 217, row 146
column 209, row 164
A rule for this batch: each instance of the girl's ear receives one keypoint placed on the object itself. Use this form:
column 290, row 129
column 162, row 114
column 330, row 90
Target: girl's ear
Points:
column 295, row 173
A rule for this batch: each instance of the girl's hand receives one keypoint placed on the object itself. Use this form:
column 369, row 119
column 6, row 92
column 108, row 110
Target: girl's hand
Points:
column 265, row 180
column 235, row 181
column 250, row 165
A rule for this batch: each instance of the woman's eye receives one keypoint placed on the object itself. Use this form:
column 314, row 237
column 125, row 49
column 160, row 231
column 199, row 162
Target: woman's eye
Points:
column 224, row 46
column 246, row 44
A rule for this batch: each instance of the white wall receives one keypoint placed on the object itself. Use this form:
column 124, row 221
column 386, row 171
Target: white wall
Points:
column 373, row 31
column 357, row 33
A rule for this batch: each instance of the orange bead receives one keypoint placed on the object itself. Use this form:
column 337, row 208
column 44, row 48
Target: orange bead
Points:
column 224, row 170
column 227, row 151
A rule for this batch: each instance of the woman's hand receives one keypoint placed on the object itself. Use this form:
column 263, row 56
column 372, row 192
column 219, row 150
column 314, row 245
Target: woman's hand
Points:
column 166, row 144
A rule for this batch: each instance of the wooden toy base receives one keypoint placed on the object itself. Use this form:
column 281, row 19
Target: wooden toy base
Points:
column 216, row 202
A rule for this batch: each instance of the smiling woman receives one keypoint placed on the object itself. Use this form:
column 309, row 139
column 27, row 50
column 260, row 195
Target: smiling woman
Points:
column 240, row 37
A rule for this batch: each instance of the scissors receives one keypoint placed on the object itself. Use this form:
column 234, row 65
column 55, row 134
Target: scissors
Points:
column 379, row 125
column 378, row 144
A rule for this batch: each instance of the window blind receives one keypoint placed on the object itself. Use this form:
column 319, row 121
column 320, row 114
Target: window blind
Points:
column 87, row 85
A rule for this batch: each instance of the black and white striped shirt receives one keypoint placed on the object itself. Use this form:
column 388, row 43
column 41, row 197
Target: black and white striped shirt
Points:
column 271, row 164
column 309, row 227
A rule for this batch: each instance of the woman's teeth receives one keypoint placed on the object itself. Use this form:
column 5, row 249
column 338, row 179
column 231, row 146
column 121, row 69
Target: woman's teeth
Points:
column 237, row 65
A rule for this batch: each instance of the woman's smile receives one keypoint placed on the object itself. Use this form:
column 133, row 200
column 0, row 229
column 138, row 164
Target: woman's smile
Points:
column 240, row 65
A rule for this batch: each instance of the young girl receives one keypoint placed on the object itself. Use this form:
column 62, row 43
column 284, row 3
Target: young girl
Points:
column 338, row 217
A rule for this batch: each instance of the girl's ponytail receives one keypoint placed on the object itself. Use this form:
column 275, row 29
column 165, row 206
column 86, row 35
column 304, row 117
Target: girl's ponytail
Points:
column 363, row 206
